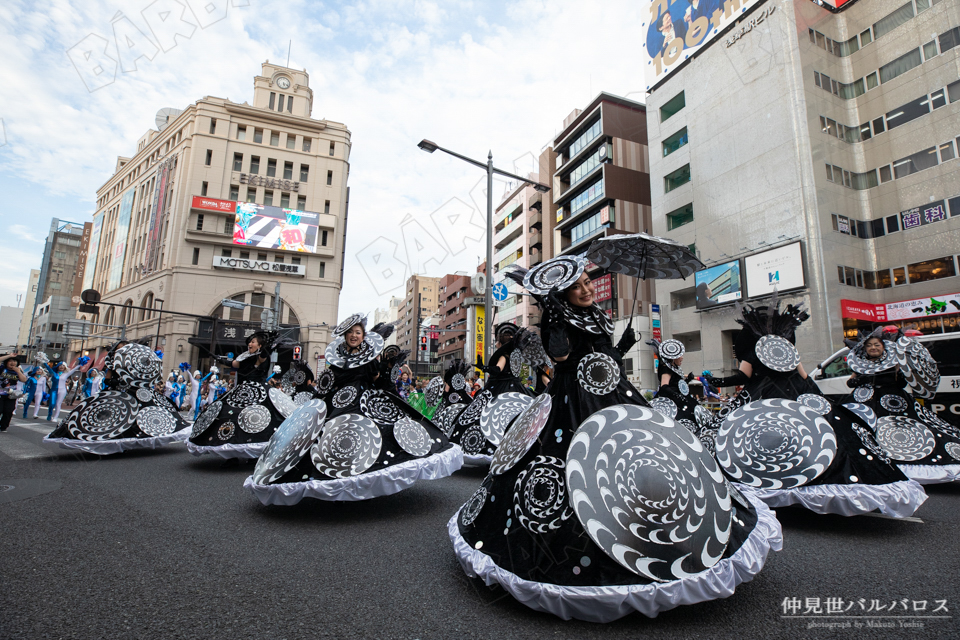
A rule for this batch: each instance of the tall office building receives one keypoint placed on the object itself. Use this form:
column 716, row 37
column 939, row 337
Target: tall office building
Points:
column 223, row 201
column 419, row 303
column 811, row 151
column 53, row 303
column 518, row 240
column 456, row 298
column 26, row 319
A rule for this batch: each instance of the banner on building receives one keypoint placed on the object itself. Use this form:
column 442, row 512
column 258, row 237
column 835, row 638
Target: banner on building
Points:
column 674, row 31
column 81, row 264
column 213, row 204
column 92, row 249
column 779, row 269
column 603, row 288
column 158, row 215
column 718, row 285
column 478, row 333
column 120, row 243
column 917, row 309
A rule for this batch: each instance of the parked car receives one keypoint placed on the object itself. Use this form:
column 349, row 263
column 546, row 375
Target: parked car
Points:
column 832, row 375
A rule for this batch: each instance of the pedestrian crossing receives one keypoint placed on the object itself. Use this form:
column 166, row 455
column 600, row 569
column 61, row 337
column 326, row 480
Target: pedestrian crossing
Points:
column 20, row 449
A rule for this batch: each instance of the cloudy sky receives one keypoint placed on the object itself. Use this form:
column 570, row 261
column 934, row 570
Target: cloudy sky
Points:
column 472, row 76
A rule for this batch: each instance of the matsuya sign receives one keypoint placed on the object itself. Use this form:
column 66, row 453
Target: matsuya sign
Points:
column 223, row 262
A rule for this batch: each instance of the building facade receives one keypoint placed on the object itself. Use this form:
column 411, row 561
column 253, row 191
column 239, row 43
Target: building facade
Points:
column 225, row 201
column 422, row 299
column 518, row 240
column 26, row 319
column 53, row 303
column 815, row 153
column 456, row 297
column 10, row 318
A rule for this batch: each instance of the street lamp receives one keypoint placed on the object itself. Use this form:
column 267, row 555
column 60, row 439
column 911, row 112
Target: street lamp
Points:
column 430, row 147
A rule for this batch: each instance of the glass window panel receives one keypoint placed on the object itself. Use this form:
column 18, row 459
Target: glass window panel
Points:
column 938, row 99
column 833, row 220
column 677, row 178
column 886, row 175
column 908, row 112
column 680, row 217
column 866, row 180
column 291, row 141
column 268, row 198
column 883, row 279
column 846, row 179
column 274, row 139
column 866, row 38
column 953, row 91
column 915, row 163
column 860, row 278
column 893, row 20
column 672, row 106
column 829, row 173
column 840, row 274
column 813, row 37
column 893, row 224
column 946, row 152
column 923, row 5
column 816, row 78
column 865, row 131
column 872, row 81
column 899, row 276
column 878, row 126
column 674, row 142
column 585, row 138
column 954, row 206
column 848, row 47
column 850, row 277
column 901, row 65
column 821, row 40
column 837, row 174
column 931, row 270
column 930, row 50
column 876, row 229
column 949, row 40
column 851, row 134
column 831, row 127
column 258, row 136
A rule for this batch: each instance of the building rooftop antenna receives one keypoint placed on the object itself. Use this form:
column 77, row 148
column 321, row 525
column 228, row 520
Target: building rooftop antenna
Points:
column 289, row 46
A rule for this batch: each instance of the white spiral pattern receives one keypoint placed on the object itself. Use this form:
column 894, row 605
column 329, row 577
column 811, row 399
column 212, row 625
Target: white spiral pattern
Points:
column 350, row 445
column 473, row 506
column 458, row 382
column 904, row 439
column 598, row 373
column 862, row 394
column 870, row 444
column 446, row 418
column 471, row 415
column 155, row 421
column 136, row 366
column 379, row 407
column 472, row 440
column 775, row 444
column 144, row 395
column 434, row 391
column 254, row 419
column 648, row 493
column 102, row 417
column 246, row 394
column 664, row 406
column 893, row 403
column 302, row 397
column 497, row 415
column 559, row 272
column 226, row 431
column 344, row 398
column 521, row 436
column 918, row 367
column 702, row 415
column 540, row 495
column 953, row 450
column 777, row 353
column 325, row 382
column 935, row 421
column 282, row 402
column 290, row 442
column 351, row 320
column 863, row 412
column 516, row 363
column 412, row 437
column 672, row 349
column 206, row 418
column 684, row 387
column 818, row 403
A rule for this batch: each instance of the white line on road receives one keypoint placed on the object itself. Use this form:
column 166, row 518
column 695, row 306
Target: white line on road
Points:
column 42, row 429
column 19, row 449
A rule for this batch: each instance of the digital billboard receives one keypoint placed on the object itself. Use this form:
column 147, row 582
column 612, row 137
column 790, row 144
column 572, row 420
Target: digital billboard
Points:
column 780, row 269
column 676, row 30
column 718, row 285
column 264, row 227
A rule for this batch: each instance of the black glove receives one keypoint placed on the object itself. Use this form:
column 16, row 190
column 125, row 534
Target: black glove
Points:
column 558, row 342
column 552, row 304
column 689, row 377
column 627, row 340
column 735, row 380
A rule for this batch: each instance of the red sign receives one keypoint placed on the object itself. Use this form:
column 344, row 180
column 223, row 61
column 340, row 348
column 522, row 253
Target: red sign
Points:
column 212, row 204
column 603, row 288
column 863, row 310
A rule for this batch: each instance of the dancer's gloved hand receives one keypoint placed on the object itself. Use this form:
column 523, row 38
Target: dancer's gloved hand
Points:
column 558, row 342
column 553, row 305
column 627, row 340
column 689, row 377
column 735, row 380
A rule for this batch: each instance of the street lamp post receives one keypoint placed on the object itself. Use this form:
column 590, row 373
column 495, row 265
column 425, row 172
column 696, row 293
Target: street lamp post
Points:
column 430, row 147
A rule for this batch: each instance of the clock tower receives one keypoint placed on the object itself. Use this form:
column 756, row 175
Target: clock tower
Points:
column 283, row 90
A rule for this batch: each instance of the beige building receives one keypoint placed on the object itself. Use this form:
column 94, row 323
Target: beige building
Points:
column 225, row 200
column 33, row 283
column 420, row 302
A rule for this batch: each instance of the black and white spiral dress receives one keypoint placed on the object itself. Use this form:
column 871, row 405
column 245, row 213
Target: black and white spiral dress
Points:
column 128, row 413
column 357, row 443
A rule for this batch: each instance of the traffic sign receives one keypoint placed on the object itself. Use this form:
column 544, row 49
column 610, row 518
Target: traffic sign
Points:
column 500, row 292
column 232, row 304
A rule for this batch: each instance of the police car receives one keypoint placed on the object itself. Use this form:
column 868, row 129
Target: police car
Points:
column 832, row 375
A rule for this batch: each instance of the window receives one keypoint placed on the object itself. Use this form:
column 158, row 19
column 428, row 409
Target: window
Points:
column 676, row 178
column 931, row 270
column 908, row 112
column 829, row 173
column 290, row 104
column 304, row 172
column 866, row 180
column 213, row 125
column 586, row 228
column 852, row 90
column 226, row 253
column 238, row 162
column 586, row 167
column 261, row 256
column 301, row 203
column 680, row 217
column 234, row 192
column 306, row 144
column 584, row 139
column 323, row 238
column 273, row 100
column 209, row 158
column 228, row 225
column 278, row 258
column 258, row 136
column 295, row 260
column 674, row 142
column 203, row 188
column 893, row 224
column 55, row 286
column 268, row 198
column 241, row 133
column 274, row 138
column 915, row 163
column 588, row 196
column 254, row 165
column 251, row 194
column 199, row 222
column 323, row 269
column 946, row 152
column 291, row 141
column 901, row 65
column 288, row 171
column 866, row 38
column 333, row 148
column 280, row 104
column 329, row 178
column 237, row 314
column 326, row 206
column 930, row 50
column 953, row 91
column 244, row 255
column 899, row 276
column 850, row 46
column 878, row 126
column 196, row 255
column 271, row 168
column 672, row 106
column 872, row 81
column 683, row 299
column 949, row 39
column 285, row 200
column 937, row 99
column 893, row 20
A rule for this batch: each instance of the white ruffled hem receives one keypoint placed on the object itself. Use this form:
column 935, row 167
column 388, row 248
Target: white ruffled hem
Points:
column 476, row 461
column 108, row 447
column 605, row 604
column 931, row 473
column 227, row 451
column 896, row 499
column 365, row 486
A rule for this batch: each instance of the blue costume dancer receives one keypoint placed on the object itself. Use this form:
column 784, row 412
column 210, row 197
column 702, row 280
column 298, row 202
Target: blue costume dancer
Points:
column 58, row 385
column 30, row 390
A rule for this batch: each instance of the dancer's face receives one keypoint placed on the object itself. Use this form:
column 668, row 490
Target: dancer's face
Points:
column 581, row 293
column 354, row 336
column 874, row 348
column 254, row 345
column 678, row 361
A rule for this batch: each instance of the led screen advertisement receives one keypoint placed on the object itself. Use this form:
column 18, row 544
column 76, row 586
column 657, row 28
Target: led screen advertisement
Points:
column 265, row 227
column 718, row 285
column 779, row 269
column 674, row 31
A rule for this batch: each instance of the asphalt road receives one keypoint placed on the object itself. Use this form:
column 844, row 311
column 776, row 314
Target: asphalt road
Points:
column 160, row 544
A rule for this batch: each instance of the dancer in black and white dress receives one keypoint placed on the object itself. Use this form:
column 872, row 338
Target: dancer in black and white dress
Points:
column 596, row 506
column 361, row 442
column 673, row 398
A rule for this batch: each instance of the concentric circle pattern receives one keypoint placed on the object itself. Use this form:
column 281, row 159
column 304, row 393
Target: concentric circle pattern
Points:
column 144, row 395
column 302, row 397
column 434, row 391
column 862, row 394
column 338, row 355
column 777, row 353
column 775, row 444
column 500, row 412
column 672, row 349
column 282, row 402
column 290, row 442
column 473, row 506
column 684, row 387
column 540, row 495
column 818, row 403
column 932, row 419
column 206, row 418
column 648, row 493
column 446, row 418
column 412, row 437
column 953, row 450
column 664, row 406
column 557, row 273
column 598, row 373
column 344, row 397
column 863, row 412
column 870, row 444
column 349, row 446
column 102, row 417
column 246, row 393
column 904, row 439
column 472, row 440
column 351, row 320
column 325, row 382
column 254, row 419
column 155, row 421
column 136, row 366
column 918, row 367
column 226, row 431
column 379, row 407
column 516, row 363
column 458, row 382
column 893, row 403
column 521, row 436
column 474, row 410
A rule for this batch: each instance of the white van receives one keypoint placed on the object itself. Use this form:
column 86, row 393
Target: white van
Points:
column 832, row 375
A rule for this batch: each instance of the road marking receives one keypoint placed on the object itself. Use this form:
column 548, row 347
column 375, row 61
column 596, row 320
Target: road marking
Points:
column 18, row 449
column 886, row 517
column 42, row 429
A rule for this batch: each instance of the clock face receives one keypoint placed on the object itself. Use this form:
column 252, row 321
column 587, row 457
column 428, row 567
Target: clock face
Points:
column 283, row 83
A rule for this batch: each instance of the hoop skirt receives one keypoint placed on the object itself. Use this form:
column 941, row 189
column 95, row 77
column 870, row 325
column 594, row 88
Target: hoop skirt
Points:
column 597, row 506
column 358, row 443
column 128, row 414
